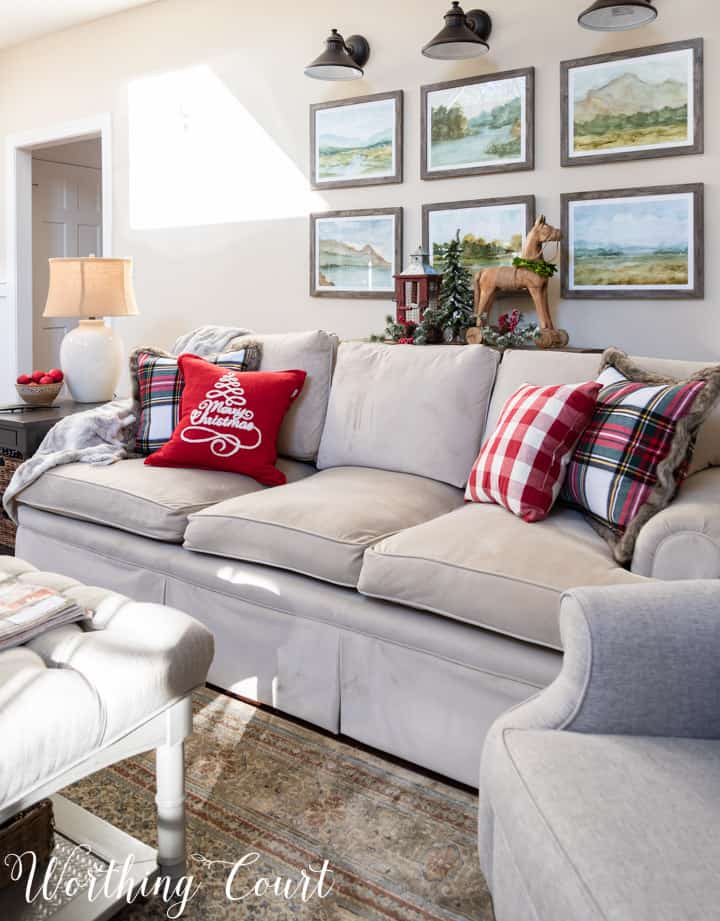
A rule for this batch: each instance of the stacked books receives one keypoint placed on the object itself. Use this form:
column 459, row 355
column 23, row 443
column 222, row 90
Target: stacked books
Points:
column 29, row 610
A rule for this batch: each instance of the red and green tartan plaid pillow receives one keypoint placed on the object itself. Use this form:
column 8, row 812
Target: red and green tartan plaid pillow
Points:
column 158, row 387
column 629, row 462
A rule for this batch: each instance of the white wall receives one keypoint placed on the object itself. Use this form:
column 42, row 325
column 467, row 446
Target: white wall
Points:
column 224, row 237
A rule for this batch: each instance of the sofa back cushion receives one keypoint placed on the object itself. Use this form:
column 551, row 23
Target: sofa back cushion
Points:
column 314, row 353
column 414, row 409
column 520, row 367
column 539, row 368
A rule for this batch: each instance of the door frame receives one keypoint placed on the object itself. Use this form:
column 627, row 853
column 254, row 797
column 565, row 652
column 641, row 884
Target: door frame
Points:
column 19, row 150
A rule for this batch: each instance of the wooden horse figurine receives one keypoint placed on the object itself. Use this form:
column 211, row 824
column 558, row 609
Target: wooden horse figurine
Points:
column 509, row 278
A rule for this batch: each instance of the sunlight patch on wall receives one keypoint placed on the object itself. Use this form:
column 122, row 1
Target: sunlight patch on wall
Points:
column 197, row 156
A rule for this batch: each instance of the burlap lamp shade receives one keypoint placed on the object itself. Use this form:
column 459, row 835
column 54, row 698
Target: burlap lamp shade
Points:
column 91, row 287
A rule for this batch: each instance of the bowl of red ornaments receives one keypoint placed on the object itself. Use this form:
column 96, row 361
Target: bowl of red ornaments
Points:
column 41, row 388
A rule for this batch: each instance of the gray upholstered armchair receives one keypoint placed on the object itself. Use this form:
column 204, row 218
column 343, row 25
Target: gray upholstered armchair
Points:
column 600, row 797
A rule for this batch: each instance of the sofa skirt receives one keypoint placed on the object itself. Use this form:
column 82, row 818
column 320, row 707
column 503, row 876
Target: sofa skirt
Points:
column 413, row 684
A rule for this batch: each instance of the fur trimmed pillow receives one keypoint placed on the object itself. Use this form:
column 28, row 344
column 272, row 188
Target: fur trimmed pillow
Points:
column 636, row 451
column 158, row 387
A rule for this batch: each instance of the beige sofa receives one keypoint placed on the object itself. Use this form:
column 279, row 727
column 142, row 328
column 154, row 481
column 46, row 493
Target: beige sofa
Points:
column 365, row 596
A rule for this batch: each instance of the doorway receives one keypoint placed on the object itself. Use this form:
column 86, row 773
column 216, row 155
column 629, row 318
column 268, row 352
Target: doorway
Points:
column 66, row 221
column 59, row 202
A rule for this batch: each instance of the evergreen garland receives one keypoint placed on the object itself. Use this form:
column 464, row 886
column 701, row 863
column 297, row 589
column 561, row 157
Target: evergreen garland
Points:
column 395, row 332
column 539, row 266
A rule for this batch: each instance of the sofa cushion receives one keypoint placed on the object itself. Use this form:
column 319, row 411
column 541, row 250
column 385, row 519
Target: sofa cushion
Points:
column 151, row 501
column 319, row 526
column 538, row 367
column 410, row 409
column 520, row 367
column 610, row 826
column 314, row 353
column 482, row 565
column 73, row 690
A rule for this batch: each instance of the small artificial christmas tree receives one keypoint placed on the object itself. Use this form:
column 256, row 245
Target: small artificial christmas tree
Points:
column 455, row 311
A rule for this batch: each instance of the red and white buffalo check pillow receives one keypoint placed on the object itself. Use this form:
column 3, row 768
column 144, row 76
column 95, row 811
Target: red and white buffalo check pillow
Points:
column 522, row 464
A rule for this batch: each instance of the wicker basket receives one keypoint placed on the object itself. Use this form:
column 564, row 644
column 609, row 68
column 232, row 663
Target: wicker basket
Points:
column 39, row 394
column 9, row 462
column 31, row 830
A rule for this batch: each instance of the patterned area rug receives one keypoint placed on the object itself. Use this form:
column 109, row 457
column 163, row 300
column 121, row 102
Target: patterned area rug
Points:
column 401, row 847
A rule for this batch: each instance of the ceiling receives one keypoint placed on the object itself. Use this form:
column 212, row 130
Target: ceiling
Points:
column 21, row 20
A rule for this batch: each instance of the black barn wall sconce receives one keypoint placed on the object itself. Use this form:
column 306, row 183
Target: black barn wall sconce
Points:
column 341, row 60
column 465, row 35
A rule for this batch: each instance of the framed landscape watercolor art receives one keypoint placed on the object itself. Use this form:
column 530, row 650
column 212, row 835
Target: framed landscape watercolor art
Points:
column 478, row 125
column 634, row 243
column 492, row 230
column 357, row 142
column 355, row 253
column 633, row 104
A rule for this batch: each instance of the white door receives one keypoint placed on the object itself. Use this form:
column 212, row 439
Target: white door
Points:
column 67, row 221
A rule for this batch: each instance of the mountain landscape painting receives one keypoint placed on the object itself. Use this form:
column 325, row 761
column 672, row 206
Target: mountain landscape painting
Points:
column 477, row 125
column 355, row 254
column 633, row 104
column 357, row 142
column 635, row 243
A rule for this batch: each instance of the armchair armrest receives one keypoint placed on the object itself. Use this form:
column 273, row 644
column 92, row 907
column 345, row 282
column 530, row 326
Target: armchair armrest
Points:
column 683, row 541
column 639, row 660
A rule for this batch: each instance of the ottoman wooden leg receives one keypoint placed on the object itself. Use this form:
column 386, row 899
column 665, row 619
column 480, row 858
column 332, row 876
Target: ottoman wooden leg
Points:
column 170, row 800
column 170, row 779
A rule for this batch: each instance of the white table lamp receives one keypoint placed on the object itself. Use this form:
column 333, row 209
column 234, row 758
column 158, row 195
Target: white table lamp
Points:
column 91, row 355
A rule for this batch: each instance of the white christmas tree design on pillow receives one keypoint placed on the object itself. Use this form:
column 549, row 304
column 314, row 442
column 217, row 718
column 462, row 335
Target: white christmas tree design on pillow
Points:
column 223, row 407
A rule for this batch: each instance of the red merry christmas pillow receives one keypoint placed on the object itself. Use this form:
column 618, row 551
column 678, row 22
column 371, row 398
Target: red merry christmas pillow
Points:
column 229, row 420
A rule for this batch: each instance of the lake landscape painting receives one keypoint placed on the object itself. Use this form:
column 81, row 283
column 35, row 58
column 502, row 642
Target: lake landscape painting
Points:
column 357, row 141
column 643, row 103
column 478, row 125
column 633, row 243
column 492, row 231
column 355, row 253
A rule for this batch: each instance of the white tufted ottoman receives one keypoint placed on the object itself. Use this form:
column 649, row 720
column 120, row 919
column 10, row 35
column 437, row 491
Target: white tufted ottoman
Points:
column 78, row 699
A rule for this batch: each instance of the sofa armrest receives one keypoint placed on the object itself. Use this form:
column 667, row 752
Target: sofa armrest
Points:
column 683, row 541
column 639, row 660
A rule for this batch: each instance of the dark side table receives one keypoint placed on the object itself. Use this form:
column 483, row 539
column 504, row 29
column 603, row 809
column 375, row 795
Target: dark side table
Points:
column 21, row 432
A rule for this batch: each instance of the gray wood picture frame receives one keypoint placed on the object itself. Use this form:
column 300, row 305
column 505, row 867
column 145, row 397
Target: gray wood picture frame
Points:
column 397, row 176
column 527, row 200
column 338, row 293
column 697, row 245
column 696, row 46
column 528, row 161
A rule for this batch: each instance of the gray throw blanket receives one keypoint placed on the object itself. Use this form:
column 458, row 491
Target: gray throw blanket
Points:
column 105, row 434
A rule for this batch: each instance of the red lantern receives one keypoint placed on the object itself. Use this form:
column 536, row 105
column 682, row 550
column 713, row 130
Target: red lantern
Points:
column 416, row 288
